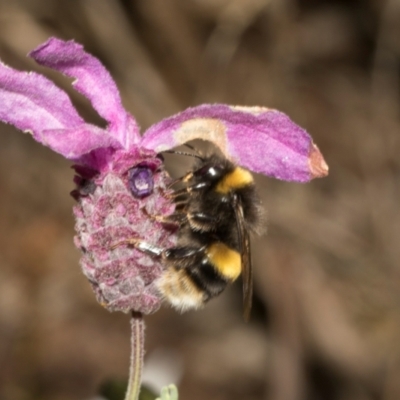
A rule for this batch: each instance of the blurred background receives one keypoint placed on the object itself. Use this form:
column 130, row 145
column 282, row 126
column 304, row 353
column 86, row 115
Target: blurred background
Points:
column 326, row 319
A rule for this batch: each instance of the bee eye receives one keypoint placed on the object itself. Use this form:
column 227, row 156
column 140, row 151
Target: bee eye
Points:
column 214, row 171
column 210, row 171
column 141, row 181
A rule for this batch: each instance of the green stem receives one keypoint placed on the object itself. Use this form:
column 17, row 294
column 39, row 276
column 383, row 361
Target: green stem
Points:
column 137, row 353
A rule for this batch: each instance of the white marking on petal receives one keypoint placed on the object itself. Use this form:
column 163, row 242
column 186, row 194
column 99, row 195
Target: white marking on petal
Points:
column 256, row 110
column 210, row 129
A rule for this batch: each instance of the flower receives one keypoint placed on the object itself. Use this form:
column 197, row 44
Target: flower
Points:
column 120, row 179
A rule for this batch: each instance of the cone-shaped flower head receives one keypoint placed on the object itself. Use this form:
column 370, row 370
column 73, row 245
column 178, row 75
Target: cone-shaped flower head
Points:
column 120, row 180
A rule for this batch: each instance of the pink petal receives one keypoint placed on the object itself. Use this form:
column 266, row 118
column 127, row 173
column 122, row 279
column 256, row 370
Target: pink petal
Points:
column 93, row 81
column 31, row 102
column 76, row 142
column 260, row 139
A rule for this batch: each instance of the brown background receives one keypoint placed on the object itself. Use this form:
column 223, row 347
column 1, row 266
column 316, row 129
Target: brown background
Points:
column 327, row 313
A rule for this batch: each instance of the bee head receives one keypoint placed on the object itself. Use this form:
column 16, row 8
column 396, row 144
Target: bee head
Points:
column 210, row 172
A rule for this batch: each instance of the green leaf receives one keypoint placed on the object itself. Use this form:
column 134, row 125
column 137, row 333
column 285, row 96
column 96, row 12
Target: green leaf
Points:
column 169, row 392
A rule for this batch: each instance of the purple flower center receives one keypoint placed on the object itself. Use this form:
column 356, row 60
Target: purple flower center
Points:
column 141, row 181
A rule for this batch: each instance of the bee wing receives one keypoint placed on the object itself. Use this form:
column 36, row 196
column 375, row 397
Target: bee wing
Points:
column 245, row 252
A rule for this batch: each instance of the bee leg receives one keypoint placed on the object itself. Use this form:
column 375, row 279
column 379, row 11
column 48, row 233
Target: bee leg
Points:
column 198, row 221
column 201, row 221
column 185, row 178
column 177, row 218
column 181, row 205
column 172, row 254
column 141, row 245
column 183, row 253
column 188, row 189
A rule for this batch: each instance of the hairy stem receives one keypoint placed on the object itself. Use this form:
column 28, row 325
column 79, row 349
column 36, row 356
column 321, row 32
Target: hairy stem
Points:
column 137, row 352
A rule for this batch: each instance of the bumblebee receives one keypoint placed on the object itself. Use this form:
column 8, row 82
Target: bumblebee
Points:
column 216, row 208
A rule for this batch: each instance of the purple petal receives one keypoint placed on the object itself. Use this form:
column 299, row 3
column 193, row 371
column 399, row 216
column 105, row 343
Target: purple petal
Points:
column 260, row 139
column 31, row 102
column 93, row 81
column 76, row 142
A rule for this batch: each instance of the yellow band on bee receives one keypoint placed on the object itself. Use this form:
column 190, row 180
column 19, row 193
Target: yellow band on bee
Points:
column 225, row 260
column 236, row 179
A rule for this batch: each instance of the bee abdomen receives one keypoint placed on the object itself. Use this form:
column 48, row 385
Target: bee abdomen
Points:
column 193, row 285
column 225, row 260
column 207, row 279
column 178, row 289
